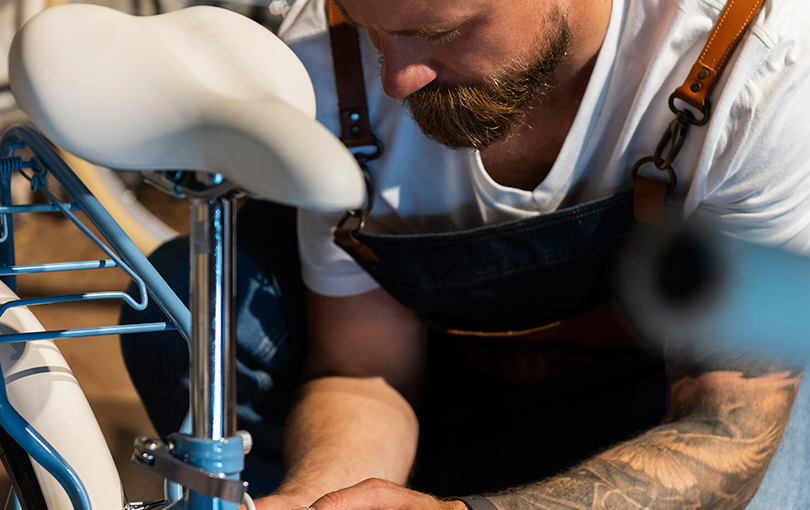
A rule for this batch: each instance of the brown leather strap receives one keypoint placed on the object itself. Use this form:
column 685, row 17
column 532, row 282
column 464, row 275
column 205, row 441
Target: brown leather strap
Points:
column 593, row 338
column 355, row 127
column 345, row 237
column 649, row 200
column 650, row 195
column 728, row 31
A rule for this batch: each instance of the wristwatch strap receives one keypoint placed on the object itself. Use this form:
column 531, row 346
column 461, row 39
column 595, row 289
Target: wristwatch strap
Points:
column 476, row 502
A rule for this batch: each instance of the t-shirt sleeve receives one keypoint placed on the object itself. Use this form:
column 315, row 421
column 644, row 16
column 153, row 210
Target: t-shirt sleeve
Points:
column 327, row 269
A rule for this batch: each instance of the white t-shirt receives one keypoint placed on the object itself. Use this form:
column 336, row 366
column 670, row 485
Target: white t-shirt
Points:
column 748, row 167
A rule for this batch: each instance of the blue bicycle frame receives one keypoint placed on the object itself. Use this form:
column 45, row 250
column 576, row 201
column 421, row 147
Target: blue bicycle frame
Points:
column 212, row 414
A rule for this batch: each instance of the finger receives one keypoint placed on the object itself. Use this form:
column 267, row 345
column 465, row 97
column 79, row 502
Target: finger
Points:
column 360, row 497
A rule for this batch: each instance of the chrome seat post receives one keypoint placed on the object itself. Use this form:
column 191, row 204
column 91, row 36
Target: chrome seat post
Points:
column 208, row 462
column 213, row 332
column 213, row 357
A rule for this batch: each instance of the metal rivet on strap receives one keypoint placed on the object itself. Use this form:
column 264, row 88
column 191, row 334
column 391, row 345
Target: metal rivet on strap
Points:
column 354, row 130
column 696, row 86
column 354, row 116
column 703, row 74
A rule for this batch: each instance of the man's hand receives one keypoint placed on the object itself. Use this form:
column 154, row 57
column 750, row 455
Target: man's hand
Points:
column 353, row 420
column 376, row 494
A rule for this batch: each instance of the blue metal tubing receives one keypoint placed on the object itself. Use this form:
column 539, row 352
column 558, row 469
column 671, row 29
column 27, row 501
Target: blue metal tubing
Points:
column 7, row 246
column 56, row 267
column 125, row 252
column 35, row 208
column 147, row 327
column 742, row 296
column 89, row 296
column 166, row 299
column 223, row 457
column 42, row 452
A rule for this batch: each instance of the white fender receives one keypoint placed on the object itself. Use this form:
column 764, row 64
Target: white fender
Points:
column 42, row 388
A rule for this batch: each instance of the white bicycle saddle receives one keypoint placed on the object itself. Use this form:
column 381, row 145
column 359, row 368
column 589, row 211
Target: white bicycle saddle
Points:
column 202, row 88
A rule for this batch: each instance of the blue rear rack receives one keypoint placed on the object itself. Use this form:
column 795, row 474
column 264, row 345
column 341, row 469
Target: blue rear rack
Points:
column 121, row 251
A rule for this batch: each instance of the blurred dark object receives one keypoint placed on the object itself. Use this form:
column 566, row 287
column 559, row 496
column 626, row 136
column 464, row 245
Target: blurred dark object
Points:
column 697, row 286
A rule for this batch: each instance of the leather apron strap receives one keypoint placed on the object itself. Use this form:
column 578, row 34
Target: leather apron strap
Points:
column 733, row 22
column 651, row 201
column 355, row 127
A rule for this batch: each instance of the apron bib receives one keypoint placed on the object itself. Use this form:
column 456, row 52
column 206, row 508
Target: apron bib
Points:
column 526, row 300
column 531, row 367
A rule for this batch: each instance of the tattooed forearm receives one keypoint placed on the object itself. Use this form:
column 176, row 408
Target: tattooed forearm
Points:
column 711, row 452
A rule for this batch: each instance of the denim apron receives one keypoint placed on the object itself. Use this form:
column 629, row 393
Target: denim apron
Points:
column 531, row 365
column 481, row 429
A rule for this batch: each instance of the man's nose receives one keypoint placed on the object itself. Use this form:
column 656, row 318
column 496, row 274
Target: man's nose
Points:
column 406, row 68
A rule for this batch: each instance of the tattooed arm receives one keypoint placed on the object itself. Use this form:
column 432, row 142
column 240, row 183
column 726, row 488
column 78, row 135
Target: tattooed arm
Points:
column 722, row 428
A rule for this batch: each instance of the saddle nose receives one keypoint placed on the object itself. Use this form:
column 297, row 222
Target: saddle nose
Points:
column 201, row 89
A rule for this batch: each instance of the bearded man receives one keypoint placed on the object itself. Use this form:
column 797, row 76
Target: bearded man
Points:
column 469, row 345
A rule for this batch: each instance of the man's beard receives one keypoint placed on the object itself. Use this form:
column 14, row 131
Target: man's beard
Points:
column 481, row 114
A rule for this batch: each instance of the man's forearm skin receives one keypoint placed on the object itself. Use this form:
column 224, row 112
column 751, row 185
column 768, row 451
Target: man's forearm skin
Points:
column 711, row 452
column 344, row 430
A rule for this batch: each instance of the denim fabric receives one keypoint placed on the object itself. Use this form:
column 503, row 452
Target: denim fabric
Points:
column 507, row 277
column 533, row 271
column 521, row 275
column 479, row 435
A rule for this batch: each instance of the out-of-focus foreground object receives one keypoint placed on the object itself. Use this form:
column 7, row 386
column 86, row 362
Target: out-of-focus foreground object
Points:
column 697, row 285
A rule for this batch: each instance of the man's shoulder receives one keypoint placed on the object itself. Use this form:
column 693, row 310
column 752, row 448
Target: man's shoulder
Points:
column 306, row 19
column 774, row 22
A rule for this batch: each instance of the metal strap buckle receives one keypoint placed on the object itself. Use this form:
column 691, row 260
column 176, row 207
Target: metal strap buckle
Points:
column 363, row 212
column 672, row 142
